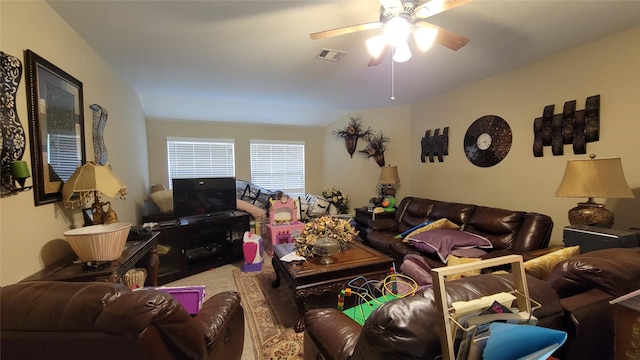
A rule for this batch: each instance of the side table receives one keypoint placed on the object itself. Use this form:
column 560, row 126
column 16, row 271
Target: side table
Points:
column 364, row 218
column 69, row 269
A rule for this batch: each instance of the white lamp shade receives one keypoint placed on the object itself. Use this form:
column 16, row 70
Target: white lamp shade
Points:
column 375, row 45
column 424, row 37
column 402, row 53
column 396, row 31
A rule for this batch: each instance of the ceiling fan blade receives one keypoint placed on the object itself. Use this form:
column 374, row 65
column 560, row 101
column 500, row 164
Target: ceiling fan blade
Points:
column 376, row 61
column 434, row 7
column 446, row 38
column 345, row 30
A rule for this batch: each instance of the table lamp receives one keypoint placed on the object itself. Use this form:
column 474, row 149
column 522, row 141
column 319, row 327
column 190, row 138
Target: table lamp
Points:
column 388, row 178
column 89, row 180
column 593, row 178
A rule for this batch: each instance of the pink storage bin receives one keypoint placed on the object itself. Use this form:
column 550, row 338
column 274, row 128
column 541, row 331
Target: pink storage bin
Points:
column 190, row 297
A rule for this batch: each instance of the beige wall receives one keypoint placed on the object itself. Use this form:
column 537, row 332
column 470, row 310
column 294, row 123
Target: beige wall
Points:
column 327, row 160
column 609, row 67
column 358, row 176
column 32, row 237
column 159, row 130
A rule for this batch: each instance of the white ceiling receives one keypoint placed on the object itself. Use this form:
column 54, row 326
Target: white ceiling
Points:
column 253, row 61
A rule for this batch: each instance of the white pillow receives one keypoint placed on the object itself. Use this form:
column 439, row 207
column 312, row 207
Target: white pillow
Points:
column 163, row 199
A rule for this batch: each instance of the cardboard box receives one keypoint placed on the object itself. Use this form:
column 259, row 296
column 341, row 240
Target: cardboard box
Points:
column 627, row 326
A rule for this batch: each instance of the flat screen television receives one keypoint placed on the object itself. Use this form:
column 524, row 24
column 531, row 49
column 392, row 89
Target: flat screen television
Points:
column 203, row 196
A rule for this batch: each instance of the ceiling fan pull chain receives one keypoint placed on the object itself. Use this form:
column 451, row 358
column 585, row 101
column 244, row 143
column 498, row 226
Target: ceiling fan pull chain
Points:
column 393, row 97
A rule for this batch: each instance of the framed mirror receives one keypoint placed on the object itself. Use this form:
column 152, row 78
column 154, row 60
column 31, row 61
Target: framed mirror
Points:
column 56, row 127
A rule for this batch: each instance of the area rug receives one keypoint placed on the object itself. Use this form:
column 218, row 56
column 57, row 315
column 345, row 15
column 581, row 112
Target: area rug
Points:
column 270, row 313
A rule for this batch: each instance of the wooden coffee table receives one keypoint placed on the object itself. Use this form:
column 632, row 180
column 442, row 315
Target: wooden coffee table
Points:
column 307, row 278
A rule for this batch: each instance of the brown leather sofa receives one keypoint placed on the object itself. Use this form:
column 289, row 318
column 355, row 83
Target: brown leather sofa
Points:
column 510, row 232
column 66, row 320
column 574, row 297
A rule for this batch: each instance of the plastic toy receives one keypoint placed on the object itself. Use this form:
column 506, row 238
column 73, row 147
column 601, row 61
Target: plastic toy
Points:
column 253, row 251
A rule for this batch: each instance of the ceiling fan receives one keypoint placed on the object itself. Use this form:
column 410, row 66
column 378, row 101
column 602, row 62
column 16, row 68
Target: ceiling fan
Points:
column 401, row 18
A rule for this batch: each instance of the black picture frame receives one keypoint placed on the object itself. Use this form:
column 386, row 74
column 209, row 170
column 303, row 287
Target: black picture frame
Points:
column 56, row 126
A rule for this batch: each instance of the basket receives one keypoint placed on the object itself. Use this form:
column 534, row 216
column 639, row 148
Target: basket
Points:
column 98, row 242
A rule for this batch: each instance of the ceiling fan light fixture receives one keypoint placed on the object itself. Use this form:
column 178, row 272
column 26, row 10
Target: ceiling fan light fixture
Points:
column 401, row 53
column 397, row 30
column 425, row 37
column 375, row 45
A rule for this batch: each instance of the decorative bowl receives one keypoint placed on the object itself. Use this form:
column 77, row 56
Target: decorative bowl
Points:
column 98, row 242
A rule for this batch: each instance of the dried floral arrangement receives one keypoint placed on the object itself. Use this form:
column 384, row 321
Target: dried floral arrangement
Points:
column 325, row 226
column 376, row 146
column 339, row 199
column 351, row 133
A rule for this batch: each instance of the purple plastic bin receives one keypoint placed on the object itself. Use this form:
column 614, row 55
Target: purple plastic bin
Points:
column 190, row 297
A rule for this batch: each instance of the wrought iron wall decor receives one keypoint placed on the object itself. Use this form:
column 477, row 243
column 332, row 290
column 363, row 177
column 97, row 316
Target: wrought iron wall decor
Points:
column 56, row 127
column 577, row 127
column 13, row 134
column 435, row 146
column 100, row 115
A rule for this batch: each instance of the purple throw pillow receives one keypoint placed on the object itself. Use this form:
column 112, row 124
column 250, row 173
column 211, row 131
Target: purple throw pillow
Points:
column 442, row 241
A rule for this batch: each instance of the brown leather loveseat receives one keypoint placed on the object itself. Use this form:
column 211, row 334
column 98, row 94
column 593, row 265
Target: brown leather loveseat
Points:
column 66, row 320
column 510, row 232
column 574, row 296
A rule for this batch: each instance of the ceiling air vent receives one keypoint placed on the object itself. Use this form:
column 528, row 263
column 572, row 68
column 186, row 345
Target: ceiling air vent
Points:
column 331, row 55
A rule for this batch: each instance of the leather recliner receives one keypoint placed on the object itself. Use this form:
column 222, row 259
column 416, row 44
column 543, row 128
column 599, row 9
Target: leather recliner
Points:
column 67, row 320
column 574, row 295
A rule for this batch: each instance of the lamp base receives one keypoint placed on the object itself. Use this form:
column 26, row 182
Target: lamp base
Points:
column 591, row 214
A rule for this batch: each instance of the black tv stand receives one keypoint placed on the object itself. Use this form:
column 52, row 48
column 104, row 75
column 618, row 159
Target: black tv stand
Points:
column 198, row 243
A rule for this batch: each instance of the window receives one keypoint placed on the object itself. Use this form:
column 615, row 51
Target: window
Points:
column 64, row 154
column 278, row 165
column 193, row 158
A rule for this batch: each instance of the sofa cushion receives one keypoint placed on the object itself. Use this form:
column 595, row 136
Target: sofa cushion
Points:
column 442, row 241
column 615, row 271
column 415, row 267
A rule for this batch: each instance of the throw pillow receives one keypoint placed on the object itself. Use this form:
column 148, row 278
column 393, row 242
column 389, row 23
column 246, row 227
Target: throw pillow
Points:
column 409, row 231
column 443, row 223
column 540, row 266
column 415, row 267
column 441, row 241
column 454, row 260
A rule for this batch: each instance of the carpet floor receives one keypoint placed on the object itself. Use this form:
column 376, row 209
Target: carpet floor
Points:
column 270, row 314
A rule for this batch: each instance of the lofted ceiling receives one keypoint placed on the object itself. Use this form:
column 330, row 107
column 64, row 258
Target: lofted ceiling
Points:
column 254, row 62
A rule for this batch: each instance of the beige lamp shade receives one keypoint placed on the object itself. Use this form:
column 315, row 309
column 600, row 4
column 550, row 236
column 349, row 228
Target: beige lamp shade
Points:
column 92, row 177
column 594, row 178
column 389, row 175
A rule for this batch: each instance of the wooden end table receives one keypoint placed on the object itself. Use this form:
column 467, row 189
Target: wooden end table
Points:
column 307, row 278
column 69, row 269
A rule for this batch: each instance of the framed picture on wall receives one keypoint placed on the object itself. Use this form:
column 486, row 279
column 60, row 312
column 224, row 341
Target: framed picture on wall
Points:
column 56, row 127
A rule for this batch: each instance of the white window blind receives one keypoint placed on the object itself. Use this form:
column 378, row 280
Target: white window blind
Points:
column 64, row 154
column 194, row 158
column 278, row 165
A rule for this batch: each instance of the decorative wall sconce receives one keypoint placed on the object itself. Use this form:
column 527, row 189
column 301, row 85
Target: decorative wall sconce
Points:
column 436, row 145
column 18, row 172
column 13, row 137
column 351, row 133
column 577, row 127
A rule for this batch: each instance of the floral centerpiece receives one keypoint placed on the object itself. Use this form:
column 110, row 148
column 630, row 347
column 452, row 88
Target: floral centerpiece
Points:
column 325, row 226
column 339, row 199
